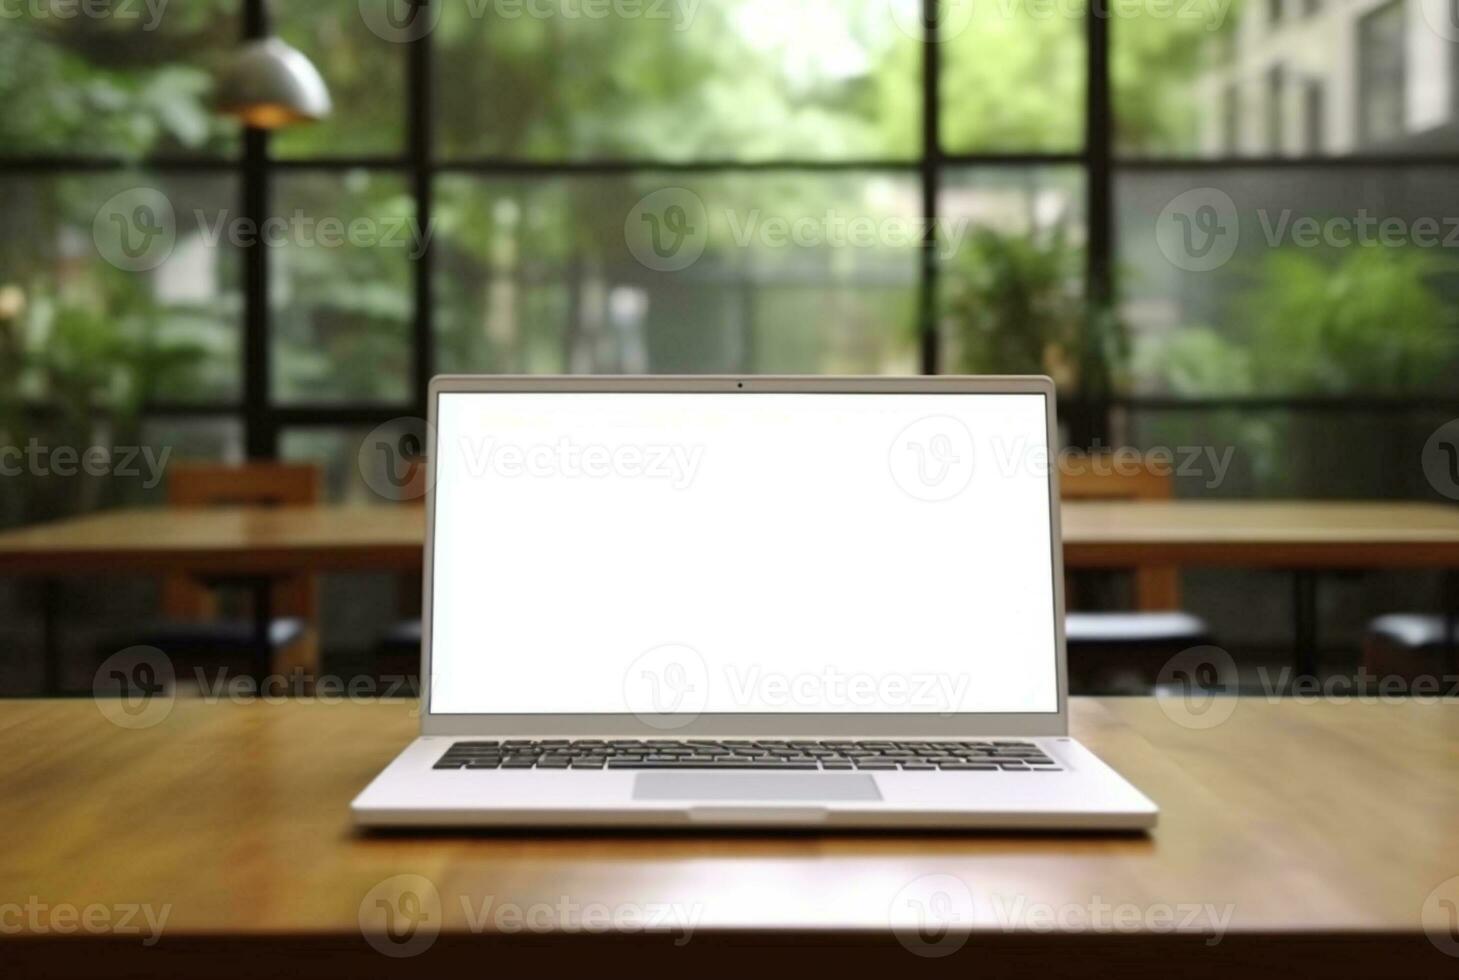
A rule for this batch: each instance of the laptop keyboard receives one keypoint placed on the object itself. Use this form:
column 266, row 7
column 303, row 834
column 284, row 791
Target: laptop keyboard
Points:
column 826, row 755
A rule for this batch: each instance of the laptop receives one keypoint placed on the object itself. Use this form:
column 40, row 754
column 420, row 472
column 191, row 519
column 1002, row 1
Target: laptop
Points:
column 783, row 602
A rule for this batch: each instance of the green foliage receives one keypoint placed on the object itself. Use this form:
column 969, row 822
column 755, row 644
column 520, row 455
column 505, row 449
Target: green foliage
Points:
column 1013, row 79
column 114, row 85
column 84, row 357
column 1370, row 322
column 1016, row 307
column 1154, row 61
column 753, row 79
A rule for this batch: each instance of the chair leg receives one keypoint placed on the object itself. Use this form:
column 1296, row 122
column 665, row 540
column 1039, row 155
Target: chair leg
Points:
column 263, row 619
column 50, row 638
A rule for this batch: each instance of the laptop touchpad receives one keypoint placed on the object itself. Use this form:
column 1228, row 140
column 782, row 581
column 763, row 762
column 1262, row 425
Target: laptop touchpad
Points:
column 754, row 786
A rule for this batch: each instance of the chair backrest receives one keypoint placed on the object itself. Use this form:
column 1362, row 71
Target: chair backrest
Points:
column 252, row 484
column 192, row 485
column 1126, row 476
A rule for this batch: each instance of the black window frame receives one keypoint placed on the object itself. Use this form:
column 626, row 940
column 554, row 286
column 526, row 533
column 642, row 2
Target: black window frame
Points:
column 1089, row 420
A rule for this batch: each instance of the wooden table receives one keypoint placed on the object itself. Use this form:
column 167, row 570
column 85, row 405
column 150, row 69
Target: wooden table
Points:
column 1266, row 534
column 1292, row 838
column 1288, row 534
column 1303, row 537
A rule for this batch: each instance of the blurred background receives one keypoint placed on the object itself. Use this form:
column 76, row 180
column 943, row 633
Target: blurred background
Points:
column 1222, row 225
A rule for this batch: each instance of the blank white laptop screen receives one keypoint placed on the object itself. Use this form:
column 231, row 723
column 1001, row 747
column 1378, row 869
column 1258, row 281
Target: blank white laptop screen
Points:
column 606, row 553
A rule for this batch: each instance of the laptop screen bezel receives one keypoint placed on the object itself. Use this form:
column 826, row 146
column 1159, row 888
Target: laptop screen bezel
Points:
column 869, row 725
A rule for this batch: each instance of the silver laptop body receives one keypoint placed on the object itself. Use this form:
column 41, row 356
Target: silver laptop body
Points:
column 745, row 601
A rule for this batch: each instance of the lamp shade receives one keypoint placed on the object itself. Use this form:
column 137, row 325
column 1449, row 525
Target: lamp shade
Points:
column 269, row 85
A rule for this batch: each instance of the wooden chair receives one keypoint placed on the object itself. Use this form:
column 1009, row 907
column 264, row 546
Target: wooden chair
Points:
column 1123, row 651
column 1411, row 647
column 398, row 652
column 193, row 631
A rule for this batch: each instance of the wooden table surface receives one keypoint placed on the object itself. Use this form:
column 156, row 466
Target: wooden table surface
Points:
column 1280, row 534
column 1313, row 836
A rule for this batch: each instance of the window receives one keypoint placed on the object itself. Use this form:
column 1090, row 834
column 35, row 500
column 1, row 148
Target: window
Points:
column 745, row 186
column 1276, row 92
column 1381, row 75
column 1231, row 119
column 1314, row 109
